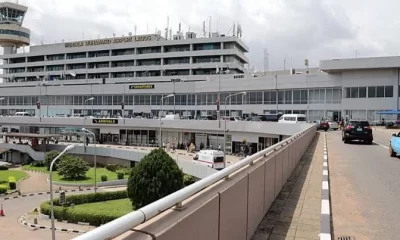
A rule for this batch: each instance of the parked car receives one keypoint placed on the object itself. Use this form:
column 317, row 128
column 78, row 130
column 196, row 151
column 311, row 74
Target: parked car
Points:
column 394, row 145
column 357, row 130
column 323, row 125
column 333, row 125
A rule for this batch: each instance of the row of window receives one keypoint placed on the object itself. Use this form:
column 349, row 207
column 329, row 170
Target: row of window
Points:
column 117, row 52
column 370, row 92
column 329, row 96
column 14, row 32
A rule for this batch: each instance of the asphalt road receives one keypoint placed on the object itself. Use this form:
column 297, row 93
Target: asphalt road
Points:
column 365, row 188
column 10, row 228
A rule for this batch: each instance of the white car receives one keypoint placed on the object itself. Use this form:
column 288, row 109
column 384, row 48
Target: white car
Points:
column 333, row 125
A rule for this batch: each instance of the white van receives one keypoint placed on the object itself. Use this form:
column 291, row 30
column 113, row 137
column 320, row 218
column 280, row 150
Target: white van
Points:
column 211, row 158
column 22, row 114
column 171, row 117
column 293, row 118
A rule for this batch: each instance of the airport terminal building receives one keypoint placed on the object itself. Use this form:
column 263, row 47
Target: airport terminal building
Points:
column 129, row 75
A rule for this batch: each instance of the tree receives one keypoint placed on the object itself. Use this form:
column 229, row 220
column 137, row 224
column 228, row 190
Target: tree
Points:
column 49, row 158
column 72, row 167
column 156, row 176
column 188, row 179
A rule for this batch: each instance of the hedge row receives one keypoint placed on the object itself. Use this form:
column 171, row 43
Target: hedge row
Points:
column 3, row 189
column 74, row 216
column 93, row 197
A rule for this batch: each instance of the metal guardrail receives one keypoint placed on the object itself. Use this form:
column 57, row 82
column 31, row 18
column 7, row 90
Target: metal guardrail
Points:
column 135, row 218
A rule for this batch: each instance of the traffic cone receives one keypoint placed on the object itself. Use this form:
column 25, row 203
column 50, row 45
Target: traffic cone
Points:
column 1, row 211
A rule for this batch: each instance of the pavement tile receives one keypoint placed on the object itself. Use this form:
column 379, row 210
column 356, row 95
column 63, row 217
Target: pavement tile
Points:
column 307, row 234
column 295, row 213
column 280, row 237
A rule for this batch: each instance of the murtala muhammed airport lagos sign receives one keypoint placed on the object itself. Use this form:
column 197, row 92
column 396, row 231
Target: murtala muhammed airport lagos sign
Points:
column 142, row 38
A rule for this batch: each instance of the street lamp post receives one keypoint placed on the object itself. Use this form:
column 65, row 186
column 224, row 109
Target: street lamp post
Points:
column 226, row 100
column 84, row 103
column 161, row 107
column 94, row 160
column 53, row 231
column 84, row 117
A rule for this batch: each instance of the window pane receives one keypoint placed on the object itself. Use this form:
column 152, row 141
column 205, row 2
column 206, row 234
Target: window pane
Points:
column 371, row 92
column 380, row 91
column 388, row 91
column 362, row 92
column 354, row 92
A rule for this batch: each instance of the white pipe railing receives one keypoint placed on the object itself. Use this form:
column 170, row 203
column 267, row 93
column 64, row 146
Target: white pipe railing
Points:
column 135, row 218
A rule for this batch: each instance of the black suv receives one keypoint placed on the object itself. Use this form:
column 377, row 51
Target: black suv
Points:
column 357, row 130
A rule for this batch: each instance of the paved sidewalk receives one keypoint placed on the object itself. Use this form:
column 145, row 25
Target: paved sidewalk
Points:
column 384, row 130
column 296, row 212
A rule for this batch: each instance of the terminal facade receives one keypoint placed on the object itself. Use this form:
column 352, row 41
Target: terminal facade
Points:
column 132, row 75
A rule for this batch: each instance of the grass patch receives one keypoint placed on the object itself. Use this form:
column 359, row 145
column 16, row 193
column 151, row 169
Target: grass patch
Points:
column 33, row 168
column 87, row 180
column 4, row 174
column 118, row 207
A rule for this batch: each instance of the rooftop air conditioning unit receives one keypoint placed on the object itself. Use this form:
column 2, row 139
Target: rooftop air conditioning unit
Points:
column 178, row 37
column 215, row 34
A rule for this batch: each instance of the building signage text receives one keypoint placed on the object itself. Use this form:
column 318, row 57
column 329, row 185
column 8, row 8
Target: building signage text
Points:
column 105, row 121
column 146, row 86
column 96, row 42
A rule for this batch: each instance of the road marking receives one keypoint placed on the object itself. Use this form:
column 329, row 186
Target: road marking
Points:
column 325, row 208
column 325, row 185
column 325, row 172
column 382, row 145
column 325, row 164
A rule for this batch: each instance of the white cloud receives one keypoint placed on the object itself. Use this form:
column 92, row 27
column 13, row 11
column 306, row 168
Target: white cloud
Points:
column 291, row 29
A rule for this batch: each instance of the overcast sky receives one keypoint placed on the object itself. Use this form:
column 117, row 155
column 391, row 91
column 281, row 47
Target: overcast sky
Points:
column 289, row 29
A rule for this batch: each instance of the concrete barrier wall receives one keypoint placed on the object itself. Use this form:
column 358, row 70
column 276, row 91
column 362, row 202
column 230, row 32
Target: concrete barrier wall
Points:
column 229, row 209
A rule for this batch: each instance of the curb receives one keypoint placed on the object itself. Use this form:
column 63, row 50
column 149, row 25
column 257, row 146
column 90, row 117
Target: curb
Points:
column 382, row 131
column 325, row 233
column 37, row 226
column 44, row 193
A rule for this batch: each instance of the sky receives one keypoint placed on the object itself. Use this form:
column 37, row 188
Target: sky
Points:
column 290, row 30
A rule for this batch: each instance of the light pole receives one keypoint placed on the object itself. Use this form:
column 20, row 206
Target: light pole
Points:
column 53, row 231
column 161, row 105
column 84, row 103
column 94, row 160
column 226, row 100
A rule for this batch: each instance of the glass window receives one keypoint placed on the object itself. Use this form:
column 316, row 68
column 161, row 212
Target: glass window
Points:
column 212, row 98
column 202, row 99
column 380, row 91
column 191, row 99
column 270, row 97
column 296, row 96
column 388, row 91
column 348, row 92
column 304, row 96
column 155, row 100
column 354, row 92
column 288, row 97
column 362, row 92
column 281, row 97
column 371, row 92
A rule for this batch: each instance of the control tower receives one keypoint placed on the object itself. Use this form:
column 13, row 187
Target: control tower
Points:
column 12, row 34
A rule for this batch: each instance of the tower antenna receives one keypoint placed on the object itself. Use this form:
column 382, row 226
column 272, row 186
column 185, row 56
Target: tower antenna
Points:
column 266, row 60
column 209, row 28
column 167, row 28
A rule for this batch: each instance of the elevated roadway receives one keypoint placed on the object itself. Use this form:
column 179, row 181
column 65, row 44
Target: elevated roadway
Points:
column 365, row 188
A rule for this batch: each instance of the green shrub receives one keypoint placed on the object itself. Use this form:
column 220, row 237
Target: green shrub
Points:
column 112, row 167
column 120, row 175
column 188, row 179
column 65, row 213
column 156, row 176
column 104, row 178
column 12, row 183
column 3, row 167
column 50, row 157
column 72, row 167
column 37, row 164
column 3, row 189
